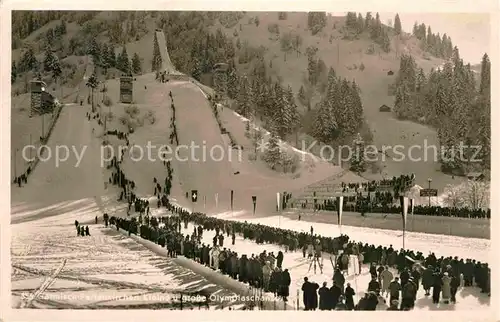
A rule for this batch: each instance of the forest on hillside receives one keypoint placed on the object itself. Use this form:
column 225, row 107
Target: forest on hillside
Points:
column 251, row 90
column 450, row 100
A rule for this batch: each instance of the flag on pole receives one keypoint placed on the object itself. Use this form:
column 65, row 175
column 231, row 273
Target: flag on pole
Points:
column 340, row 207
column 232, row 195
column 404, row 209
column 254, row 200
column 278, row 201
column 216, row 200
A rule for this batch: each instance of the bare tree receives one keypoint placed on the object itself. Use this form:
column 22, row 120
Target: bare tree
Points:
column 473, row 194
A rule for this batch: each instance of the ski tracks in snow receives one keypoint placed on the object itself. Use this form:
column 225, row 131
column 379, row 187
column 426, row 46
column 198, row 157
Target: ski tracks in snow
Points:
column 26, row 301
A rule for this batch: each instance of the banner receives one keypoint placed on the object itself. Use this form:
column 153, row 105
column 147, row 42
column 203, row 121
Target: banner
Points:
column 412, row 205
column 194, row 195
column 278, row 200
column 314, row 200
column 204, row 202
column 232, row 195
column 404, row 209
column 216, row 200
column 254, row 200
column 340, row 207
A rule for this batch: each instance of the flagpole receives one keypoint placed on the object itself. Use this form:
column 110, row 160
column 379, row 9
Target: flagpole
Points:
column 340, row 206
column 232, row 201
column 404, row 212
column 412, row 218
column 404, row 238
column 278, row 202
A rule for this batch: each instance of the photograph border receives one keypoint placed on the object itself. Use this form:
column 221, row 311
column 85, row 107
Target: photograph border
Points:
column 9, row 314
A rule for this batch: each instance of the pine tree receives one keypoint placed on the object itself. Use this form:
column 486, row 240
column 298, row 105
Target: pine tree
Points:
column 283, row 118
column 57, row 72
column 292, row 107
column 324, row 125
column 351, row 21
column 357, row 106
column 385, row 42
column 312, row 69
column 92, row 83
column 360, row 24
column 28, row 60
column 105, row 60
column 197, row 70
column 136, row 64
column 282, row 15
column 358, row 163
column 485, row 112
column 273, row 154
column 48, row 61
column 376, row 28
column 397, row 25
column 247, row 129
column 302, row 95
column 401, row 104
column 316, row 21
column 232, row 83
column 63, row 27
column 112, row 56
column 93, row 49
column 243, row 100
column 123, row 62
column 368, row 20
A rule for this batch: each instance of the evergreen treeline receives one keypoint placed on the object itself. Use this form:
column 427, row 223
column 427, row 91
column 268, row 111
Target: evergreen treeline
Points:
column 378, row 32
column 316, row 21
column 449, row 100
column 435, row 44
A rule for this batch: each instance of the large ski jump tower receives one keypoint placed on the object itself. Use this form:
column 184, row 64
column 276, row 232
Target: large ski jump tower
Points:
column 165, row 65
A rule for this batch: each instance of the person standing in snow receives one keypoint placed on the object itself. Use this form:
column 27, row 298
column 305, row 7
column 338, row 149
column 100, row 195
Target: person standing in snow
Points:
column 386, row 277
column 446, row 288
column 394, row 289
column 349, row 297
column 437, row 286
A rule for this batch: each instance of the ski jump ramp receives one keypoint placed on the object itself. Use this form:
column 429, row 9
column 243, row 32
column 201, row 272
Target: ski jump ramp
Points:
column 166, row 63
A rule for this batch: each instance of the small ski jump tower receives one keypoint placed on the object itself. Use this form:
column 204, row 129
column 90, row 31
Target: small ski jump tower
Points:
column 220, row 71
column 126, row 89
column 41, row 101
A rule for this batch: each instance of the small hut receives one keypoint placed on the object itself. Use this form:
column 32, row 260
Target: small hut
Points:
column 384, row 108
column 390, row 73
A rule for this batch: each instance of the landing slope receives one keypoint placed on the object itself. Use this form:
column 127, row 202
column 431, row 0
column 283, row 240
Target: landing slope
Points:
column 209, row 168
column 68, row 182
